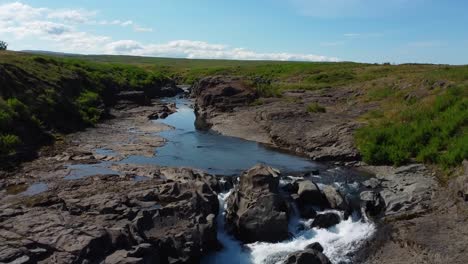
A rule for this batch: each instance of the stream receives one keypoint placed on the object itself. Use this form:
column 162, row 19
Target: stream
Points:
column 223, row 155
column 217, row 154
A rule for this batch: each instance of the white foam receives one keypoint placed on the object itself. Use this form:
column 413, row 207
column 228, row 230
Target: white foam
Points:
column 338, row 242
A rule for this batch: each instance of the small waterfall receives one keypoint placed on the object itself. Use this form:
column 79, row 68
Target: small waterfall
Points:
column 233, row 251
column 338, row 242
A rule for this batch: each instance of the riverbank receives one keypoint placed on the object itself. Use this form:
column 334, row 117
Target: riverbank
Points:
column 85, row 205
column 415, row 201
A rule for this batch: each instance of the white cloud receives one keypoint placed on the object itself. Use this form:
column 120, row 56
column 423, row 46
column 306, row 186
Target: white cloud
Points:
column 199, row 49
column 19, row 12
column 60, row 29
column 127, row 23
column 72, row 16
column 123, row 47
column 115, row 22
column 142, row 29
column 351, row 35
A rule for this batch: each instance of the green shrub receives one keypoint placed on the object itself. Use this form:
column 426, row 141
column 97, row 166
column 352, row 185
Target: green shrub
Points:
column 435, row 133
column 8, row 143
column 6, row 115
column 88, row 103
column 315, row 108
column 20, row 109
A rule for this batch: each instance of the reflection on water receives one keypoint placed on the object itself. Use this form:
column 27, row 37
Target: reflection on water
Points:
column 35, row 188
column 213, row 152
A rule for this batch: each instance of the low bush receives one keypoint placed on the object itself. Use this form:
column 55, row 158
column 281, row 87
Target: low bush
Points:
column 8, row 143
column 430, row 132
column 88, row 103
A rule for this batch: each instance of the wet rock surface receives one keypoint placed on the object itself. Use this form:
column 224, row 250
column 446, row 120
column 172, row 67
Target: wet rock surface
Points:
column 283, row 123
column 311, row 255
column 326, row 220
column 256, row 211
column 114, row 218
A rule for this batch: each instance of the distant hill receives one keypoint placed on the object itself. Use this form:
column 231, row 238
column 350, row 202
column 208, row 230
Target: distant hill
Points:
column 51, row 53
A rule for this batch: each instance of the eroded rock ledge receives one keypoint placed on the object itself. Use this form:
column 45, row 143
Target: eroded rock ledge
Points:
column 226, row 105
column 170, row 219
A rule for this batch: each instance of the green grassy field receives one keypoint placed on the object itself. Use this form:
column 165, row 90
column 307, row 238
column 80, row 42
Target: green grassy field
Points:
column 422, row 113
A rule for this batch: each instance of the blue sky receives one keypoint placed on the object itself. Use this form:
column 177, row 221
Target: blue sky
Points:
column 397, row 31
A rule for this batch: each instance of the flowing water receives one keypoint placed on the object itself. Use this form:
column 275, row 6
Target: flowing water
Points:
column 339, row 242
column 218, row 154
column 212, row 152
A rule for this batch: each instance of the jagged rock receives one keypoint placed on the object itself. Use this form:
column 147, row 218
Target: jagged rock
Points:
column 256, row 211
column 309, row 194
column 163, row 111
column 372, row 203
column 115, row 219
column 334, row 199
column 371, row 183
column 219, row 93
column 308, row 256
column 315, row 246
column 326, row 220
column 406, row 189
column 222, row 93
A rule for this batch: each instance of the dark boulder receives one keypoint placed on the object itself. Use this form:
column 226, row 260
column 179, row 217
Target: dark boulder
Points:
column 309, row 194
column 256, row 211
column 326, row 220
column 308, row 256
column 315, row 246
column 162, row 111
column 334, row 199
column 220, row 93
column 372, row 203
column 223, row 93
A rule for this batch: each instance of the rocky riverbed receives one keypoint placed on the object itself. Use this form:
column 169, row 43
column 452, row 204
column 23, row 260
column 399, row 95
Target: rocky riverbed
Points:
column 420, row 220
column 80, row 203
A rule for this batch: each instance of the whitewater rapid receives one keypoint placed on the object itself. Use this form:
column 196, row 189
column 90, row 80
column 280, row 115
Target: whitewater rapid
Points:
column 338, row 242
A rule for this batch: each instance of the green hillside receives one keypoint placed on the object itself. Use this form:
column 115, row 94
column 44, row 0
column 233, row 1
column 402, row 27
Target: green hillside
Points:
column 421, row 114
column 41, row 95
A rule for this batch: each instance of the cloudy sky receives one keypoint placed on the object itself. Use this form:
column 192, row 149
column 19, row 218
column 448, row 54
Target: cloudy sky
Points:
column 396, row 31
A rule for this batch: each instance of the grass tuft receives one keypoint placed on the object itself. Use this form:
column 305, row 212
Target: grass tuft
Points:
column 315, row 108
